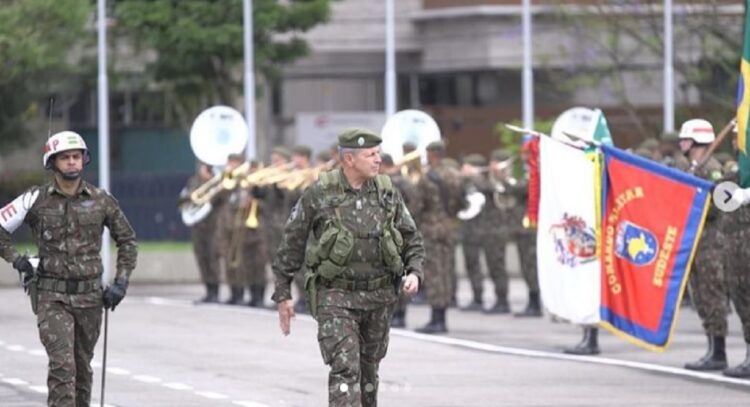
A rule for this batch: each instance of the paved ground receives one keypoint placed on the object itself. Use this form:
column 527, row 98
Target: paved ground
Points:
column 163, row 351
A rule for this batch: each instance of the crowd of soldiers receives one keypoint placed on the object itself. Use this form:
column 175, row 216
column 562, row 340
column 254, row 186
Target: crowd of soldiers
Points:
column 435, row 195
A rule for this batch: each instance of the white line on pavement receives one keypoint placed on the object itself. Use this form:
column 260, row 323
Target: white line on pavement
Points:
column 147, row 379
column 118, row 371
column 39, row 389
column 211, row 395
column 15, row 348
column 243, row 403
column 37, row 352
column 178, row 386
column 15, row 381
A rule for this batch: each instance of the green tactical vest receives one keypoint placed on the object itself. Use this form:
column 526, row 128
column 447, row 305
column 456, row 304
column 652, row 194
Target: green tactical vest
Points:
column 330, row 255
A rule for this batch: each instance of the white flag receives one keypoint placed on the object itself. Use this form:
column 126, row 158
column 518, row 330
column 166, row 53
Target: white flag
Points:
column 569, row 268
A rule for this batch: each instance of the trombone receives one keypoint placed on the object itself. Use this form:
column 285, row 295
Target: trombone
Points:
column 228, row 180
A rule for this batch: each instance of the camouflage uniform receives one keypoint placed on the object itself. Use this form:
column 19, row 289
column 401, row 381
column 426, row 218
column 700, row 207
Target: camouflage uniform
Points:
column 526, row 240
column 737, row 233
column 408, row 193
column 435, row 210
column 353, row 322
column 490, row 231
column 67, row 231
column 708, row 288
column 204, row 237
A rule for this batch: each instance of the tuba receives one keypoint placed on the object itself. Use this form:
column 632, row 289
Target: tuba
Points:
column 217, row 132
column 409, row 126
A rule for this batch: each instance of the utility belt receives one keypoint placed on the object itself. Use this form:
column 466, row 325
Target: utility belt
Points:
column 359, row 285
column 65, row 286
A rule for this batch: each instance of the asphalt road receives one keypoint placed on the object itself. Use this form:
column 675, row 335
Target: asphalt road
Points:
column 164, row 351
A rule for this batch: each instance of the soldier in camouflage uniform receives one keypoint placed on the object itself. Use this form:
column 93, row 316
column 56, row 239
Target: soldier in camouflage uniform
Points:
column 525, row 234
column 67, row 217
column 204, row 236
column 363, row 241
column 301, row 155
column 440, row 197
column 407, row 190
column 231, row 235
column 707, row 284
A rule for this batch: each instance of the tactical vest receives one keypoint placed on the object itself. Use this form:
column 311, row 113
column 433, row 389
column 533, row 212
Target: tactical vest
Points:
column 329, row 257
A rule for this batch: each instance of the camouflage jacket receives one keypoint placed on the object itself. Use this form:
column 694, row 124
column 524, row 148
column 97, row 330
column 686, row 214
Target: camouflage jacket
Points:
column 499, row 214
column 435, row 207
column 68, row 233
column 362, row 213
column 207, row 224
column 712, row 233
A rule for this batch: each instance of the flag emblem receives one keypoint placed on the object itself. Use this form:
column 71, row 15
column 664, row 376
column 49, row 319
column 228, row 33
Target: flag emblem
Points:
column 574, row 241
column 635, row 244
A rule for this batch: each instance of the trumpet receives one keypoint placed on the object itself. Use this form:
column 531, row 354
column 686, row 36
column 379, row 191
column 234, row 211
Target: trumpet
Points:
column 411, row 166
column 225, row 181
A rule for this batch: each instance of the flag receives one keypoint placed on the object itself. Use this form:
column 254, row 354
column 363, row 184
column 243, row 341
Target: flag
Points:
column 651, row 224
column 531, row 152
column 743, row 108
column 601, row 131
column 568, row 264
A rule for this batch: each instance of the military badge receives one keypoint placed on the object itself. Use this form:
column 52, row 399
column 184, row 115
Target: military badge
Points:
column 575, row 241
column 635, row 244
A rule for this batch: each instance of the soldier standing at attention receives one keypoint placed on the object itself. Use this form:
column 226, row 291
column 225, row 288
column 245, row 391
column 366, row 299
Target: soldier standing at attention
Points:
column 708, row 288
column 232, row 234
column 440, row 197
column 204, row 236
column 363, row 241
column 67, row 217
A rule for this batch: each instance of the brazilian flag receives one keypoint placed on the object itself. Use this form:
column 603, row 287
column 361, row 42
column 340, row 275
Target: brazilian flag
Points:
column 743, row 109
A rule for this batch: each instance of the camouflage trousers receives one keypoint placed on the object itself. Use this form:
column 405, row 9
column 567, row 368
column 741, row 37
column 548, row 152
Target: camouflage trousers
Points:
column 207, row 256
column 439, row 265
column 69, row 335
column 353, row 342
column 527, row 256
column 738, row 276
column 493, row 247
column 250, row 267
column 708, row 288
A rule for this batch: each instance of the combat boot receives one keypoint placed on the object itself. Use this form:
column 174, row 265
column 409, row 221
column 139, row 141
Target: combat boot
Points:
column 500, row 307
column 399, row 319
column 533, row 309
column 589, row 345
column 257, row 295
column 212, row 295
column 715, row 357
column 236, row 296
column 436, row 324
column 743, row 369
column 476, row 304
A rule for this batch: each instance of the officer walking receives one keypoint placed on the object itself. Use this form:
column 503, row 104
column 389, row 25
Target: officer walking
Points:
column 67, row 217
column 363, row 241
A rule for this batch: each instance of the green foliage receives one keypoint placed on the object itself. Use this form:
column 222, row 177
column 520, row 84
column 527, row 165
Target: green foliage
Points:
column 36, row 37
column 199, row 44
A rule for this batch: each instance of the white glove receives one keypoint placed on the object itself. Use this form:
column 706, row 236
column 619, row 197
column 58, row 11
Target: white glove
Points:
column 741, row 195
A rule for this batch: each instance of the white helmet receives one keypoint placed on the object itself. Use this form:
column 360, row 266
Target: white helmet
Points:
column 698, row 130
column 64, row 141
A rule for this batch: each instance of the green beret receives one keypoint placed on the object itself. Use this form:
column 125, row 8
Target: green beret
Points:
column 358, row 138
column 476, row 160
column 282, row 151
column 643, row 152
column 436, row 146
column 302, row 150
column 649, row 144
column 500, row 155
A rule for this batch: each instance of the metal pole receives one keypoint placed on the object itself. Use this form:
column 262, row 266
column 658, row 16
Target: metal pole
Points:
column 103, row 97
column 247, row 13
column 668, row 68
column 528, row 69
column 104, row 354
column 390, row 60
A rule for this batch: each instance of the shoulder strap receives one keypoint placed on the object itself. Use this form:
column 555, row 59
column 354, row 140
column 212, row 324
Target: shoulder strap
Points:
column 383, row 183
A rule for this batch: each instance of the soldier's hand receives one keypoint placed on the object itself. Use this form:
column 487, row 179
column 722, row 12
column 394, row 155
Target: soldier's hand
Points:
column 286, row 313
column 23, row 265
column 115, row 293
column 411, row 284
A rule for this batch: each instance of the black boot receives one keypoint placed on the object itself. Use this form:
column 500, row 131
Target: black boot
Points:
column 399, row 319
column 436, row 324
column 212, row 295
column 257, row 295
column 475, row 305
column 533, row 309
column 743, row 369
column 500, row 307
column 236, row 296
column 715, row 357
column 589, row 345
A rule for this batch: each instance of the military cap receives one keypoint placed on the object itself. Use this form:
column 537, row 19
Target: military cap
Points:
column 476, row 160
column 358, row 138
column 386, row 159
column 500, row 155
column 669, row 136
column 282, row 151
column 643, row 152
column 302, row 150
column 324, row 156
column 235, row 157
column 436, row 146
column 649, row 144
column 451, row 163
column 408, row 147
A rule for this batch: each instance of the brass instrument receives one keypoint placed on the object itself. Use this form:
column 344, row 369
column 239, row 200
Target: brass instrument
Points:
column 412, row 126
column 225, row 181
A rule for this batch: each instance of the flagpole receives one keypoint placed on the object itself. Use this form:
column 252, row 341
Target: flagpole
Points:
column 668, row 68
column 390, row 60
column 103, row 121
column 527, row 70
column 247, row 17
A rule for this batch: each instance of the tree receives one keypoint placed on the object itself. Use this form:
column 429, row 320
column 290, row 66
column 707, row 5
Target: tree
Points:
column 36, row 39
column 623, row 41
column 199, row 44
